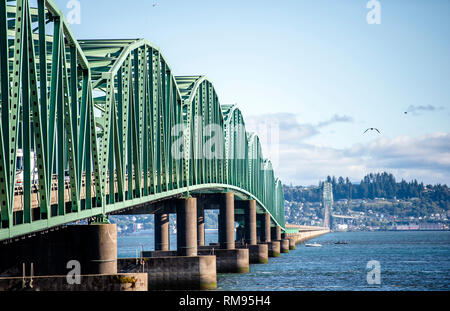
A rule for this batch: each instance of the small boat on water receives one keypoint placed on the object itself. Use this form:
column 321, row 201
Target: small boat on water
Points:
column 340, row 242
column 315, row 244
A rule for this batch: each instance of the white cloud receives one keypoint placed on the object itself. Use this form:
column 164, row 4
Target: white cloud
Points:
column 425, row 158
column 335, row 119
column 415, row 110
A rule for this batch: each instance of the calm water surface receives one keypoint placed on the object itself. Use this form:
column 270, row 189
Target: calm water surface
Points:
column 408, row 261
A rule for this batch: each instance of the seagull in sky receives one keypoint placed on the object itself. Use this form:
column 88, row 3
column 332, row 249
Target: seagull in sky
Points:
column 372, row 129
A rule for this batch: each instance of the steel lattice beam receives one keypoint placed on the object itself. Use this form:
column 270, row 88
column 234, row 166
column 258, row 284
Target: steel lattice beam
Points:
column 94, row 121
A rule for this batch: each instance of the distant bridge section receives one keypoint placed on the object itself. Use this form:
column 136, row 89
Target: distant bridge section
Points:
column 343, row 216
column 291, row 228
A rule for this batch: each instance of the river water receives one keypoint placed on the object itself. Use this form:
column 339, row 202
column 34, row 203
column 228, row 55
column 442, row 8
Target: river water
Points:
column 416, row 260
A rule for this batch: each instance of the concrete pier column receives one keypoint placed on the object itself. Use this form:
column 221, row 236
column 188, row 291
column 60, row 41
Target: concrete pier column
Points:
column 284, row 246
column 102, row 253
column 265, row 226
column 274, row 248
column 226, row 221
column 250, row 223
column 276, row 233
column 200, row 224
column 162, row 233
column 187, row 227
column 291, row 243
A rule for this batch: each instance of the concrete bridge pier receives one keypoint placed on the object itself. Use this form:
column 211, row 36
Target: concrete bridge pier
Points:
column 258, row 253
column 291, row 244
column 250, row 223
column 187, row 227
column 200, row 223
column 265, row 236
column 62, row 254
column 184, row 268
column 275, row 233
column 162, row 231
column 284, row 246
column 226, row 221
column 274, row 248
column 101, row 255
column 291, row 241
column 229, row 259
column 276, row 236
column 265, row 228
column 93, row 246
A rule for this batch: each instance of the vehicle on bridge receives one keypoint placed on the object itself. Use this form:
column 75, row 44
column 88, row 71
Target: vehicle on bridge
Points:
column 20, row 169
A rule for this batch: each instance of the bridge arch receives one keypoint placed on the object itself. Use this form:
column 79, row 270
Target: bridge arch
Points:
column 45, row 85
column 204, row 120
column 99, row 116
column 140, row 103
column 236, row 147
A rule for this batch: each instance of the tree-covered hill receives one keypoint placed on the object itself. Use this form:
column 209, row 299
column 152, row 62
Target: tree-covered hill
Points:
column 424, row 199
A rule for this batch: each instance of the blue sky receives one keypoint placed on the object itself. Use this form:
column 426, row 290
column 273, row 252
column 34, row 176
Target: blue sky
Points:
column 314, row 68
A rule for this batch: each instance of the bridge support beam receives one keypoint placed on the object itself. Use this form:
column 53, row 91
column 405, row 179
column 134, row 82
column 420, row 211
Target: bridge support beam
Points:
column 226, row 221
column 162, row 233
column 187, row 227
column 200, row 224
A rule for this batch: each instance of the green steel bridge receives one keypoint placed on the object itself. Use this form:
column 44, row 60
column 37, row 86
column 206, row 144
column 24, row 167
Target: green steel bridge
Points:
column 93, row 127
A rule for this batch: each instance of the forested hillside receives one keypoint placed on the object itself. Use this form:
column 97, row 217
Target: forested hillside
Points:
column 425, row 199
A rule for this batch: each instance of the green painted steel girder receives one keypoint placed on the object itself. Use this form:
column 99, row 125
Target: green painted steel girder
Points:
column 91, row 127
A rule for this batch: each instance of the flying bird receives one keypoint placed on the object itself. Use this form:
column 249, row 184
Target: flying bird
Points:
column 372, row 129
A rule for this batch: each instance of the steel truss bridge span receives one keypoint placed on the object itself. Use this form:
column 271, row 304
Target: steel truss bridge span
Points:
column 88, row 128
